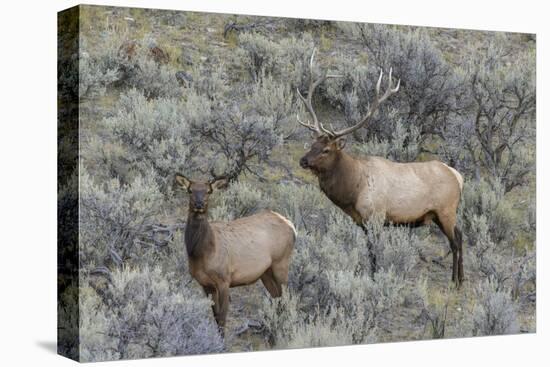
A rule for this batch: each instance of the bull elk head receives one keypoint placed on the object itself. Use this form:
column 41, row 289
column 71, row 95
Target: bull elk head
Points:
column 329, row 140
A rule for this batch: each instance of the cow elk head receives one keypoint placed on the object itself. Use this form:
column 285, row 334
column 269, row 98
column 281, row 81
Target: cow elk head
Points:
column 199, row 191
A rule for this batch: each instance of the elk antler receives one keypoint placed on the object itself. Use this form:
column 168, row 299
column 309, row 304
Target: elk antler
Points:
column 372, row 108
column 316, row 127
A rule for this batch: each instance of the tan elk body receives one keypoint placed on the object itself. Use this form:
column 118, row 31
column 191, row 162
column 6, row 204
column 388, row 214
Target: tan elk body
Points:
column 363, row 187
column 230, row 254
column 413, row 194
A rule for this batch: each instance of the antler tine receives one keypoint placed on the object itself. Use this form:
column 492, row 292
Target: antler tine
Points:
column 374, row 107
column 390, row 90
column 309, row 126
column 397, row 86
column 393, row 90
column 378, row 83
column 309, row 107
column 300, row 95
column 311, row 62
column 315, row 127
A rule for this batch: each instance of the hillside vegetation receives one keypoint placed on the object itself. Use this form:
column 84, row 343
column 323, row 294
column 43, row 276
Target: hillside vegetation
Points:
column 165, row 91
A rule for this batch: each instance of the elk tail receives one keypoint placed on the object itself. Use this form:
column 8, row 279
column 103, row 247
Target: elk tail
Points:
column 287, row 221
column 458, row 176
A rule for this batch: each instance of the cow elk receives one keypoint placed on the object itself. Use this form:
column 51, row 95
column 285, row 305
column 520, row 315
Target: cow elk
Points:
column 230, row 254
column 411, row 194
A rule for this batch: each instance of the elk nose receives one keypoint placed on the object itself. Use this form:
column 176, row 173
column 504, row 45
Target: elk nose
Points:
column 303, row 162
column 199, row 205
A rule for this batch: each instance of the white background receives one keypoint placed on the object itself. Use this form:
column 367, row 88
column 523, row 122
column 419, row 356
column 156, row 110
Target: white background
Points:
column 28, row 181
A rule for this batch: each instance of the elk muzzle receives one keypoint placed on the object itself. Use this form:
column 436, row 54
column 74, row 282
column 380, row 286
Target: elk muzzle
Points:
column 304, row 163
column 198, row 206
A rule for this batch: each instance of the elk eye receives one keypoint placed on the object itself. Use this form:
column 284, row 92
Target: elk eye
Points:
column 326, row 150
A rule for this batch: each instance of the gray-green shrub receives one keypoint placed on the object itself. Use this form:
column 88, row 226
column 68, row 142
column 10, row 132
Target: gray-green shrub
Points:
column 479, row 198
column 112, row 218
column 138, row 313
column 429, row 86
column 495, row 313
column 502, row 111
column 259, row 54
column 155, row 133
column 395, row 248
column 402, row 146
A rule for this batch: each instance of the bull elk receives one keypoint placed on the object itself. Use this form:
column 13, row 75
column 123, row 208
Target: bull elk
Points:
column 230, row 254
column 412, row 194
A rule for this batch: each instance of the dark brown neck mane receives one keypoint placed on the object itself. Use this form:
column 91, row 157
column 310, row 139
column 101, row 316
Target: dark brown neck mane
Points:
column 341, row 181
column 198, row 234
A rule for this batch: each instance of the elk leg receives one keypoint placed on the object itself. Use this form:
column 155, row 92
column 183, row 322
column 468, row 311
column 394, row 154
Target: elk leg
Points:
column 371, row 254
column 271, row 284
column 209, row 291
column 216, row 305
column 447, row 227
column 280, row 272
column 458, row 238
column 455, row 264
column 223, row 306
column 372, row 261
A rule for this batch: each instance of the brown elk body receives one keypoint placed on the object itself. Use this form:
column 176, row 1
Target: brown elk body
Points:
column 412, row 194
column 230, row 254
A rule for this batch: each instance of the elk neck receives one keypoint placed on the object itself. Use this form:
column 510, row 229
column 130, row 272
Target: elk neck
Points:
column 341, row 183
column 199, row 237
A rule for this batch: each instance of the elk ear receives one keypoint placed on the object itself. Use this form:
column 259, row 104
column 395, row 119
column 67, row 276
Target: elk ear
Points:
column 183, row 181
column 340, row 143
column 220, row 183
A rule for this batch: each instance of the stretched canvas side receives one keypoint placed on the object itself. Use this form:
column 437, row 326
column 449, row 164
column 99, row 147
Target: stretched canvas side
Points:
column 68, row 312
